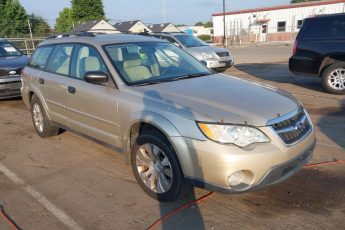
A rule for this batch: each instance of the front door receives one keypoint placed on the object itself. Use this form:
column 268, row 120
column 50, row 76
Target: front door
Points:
column 92, row 108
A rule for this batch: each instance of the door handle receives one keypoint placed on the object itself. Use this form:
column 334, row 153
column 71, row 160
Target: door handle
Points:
column 41, row 81
column 71, row 89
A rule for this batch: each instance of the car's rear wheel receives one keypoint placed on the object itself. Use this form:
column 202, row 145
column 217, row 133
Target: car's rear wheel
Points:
column 156, row 167
column 41, row 123
column 333, row 78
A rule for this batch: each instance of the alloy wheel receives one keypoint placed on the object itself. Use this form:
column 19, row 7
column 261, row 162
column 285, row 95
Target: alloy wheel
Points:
column 38, row 117
column 154, row 168
column 336, row 79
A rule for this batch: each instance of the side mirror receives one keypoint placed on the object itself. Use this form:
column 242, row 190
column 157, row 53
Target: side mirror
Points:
column 96, row 77
column 204, row 63
column 178, row 45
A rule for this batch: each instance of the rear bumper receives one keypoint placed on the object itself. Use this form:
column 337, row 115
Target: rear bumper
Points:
column 304, row 65
column 10, row 86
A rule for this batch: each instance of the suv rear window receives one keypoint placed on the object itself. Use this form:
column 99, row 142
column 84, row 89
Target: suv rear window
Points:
column 324, row 27
column 40, row 57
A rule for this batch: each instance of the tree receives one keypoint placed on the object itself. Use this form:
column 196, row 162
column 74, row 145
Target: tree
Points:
column 208, row 24
column 39, row 26
column 64, row 22
column 86, row 10
column 199, row 24
column 298, row 1
column 13, row 19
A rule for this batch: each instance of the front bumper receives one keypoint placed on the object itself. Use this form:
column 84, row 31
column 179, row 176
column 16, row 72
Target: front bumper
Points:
column 209, row 165
column 10, row 86
column 222, row 63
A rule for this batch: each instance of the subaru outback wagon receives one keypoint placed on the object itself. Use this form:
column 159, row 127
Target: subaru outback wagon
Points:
column 176, row 122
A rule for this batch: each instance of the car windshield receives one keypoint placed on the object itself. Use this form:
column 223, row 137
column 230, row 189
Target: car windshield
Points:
column 190, row 41
column 154, row 62
column 6, row 50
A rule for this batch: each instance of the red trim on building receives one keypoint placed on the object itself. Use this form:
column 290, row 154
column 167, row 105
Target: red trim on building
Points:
column 296, row 5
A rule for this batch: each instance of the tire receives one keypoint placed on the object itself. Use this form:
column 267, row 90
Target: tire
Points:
column 153, row 159
column 42, row 125
column 333, row 78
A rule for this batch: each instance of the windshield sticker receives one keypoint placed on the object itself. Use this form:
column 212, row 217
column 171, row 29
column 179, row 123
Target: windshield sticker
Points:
column 10, row 49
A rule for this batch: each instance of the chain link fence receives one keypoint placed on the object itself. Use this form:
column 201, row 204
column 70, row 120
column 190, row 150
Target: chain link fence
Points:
column 26, row 36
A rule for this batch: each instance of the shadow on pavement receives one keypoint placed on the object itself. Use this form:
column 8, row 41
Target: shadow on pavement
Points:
column 332, row 123
column 279, row 72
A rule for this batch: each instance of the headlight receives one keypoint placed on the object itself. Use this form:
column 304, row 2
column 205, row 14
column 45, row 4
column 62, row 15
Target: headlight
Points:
column 241, row 136
column 207, row 55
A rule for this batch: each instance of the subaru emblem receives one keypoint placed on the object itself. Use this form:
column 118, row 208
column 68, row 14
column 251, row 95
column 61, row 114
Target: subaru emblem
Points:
column 12, row 72
column 299, row 126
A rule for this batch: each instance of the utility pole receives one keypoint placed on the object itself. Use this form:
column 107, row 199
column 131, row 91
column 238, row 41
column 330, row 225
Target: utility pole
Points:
column 32, row 38
column 164, row 12
column 224, row 35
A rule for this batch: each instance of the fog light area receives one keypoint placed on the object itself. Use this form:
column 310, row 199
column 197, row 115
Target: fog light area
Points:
column 240, row 177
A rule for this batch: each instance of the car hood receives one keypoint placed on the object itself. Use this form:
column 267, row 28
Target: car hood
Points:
column 13, row 62
column 219, row 98
column 197, row 51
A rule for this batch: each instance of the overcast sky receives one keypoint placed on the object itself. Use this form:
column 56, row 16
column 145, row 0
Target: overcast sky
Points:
column 150, row 11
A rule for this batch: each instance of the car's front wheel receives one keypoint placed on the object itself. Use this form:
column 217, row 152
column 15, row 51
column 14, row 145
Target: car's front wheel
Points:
column 156, row 167
column 42, row 125
column 333, row 78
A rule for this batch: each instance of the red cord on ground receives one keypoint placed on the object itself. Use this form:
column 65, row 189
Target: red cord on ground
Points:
column 325, row 163
column 209, row 194
column 178, row 210
column 8, row 219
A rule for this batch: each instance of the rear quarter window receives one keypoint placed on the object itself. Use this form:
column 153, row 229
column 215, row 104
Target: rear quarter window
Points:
column 324, row 27
column 40, row 57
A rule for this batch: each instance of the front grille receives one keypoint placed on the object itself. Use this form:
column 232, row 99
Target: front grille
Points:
column 8, row 91
column 294, row 128
column 10, row 72
column 223, row 54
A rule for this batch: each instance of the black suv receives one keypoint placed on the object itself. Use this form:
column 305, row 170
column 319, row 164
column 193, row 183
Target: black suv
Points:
column 320, row 51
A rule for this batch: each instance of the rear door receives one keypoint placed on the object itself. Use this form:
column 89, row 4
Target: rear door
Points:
column 51, row 79
column 92, row 108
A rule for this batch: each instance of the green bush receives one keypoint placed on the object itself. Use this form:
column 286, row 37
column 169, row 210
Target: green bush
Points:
column 205, row 37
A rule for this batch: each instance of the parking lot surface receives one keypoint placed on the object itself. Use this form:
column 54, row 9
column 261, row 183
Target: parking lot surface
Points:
column 68, row 182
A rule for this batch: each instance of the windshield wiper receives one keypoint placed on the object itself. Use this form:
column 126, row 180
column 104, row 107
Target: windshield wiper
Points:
column 173, row 79
column 186, row 77
column 148, row 83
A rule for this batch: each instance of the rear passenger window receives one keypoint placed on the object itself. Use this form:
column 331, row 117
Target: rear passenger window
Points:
column 40, row 57
column 332, row 27
column 60, row 59
column 86, row 59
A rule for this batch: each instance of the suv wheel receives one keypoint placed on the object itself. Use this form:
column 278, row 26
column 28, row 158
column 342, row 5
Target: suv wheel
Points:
column 333, row 78
column 39, row 118
column 156, row 167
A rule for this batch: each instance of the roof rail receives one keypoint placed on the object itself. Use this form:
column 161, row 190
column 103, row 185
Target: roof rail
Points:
column 66, row 35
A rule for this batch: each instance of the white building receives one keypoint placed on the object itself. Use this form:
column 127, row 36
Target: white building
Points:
column 95, row 26
column 279, row 23
column 135, row 26
column 163, row 28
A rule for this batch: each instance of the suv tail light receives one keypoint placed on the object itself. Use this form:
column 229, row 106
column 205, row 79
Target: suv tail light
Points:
column 295, row 48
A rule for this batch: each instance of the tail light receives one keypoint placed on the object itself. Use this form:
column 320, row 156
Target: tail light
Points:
column 295, row 48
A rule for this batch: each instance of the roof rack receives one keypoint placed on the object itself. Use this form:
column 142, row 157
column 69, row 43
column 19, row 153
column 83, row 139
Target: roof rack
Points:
column 66, row 35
